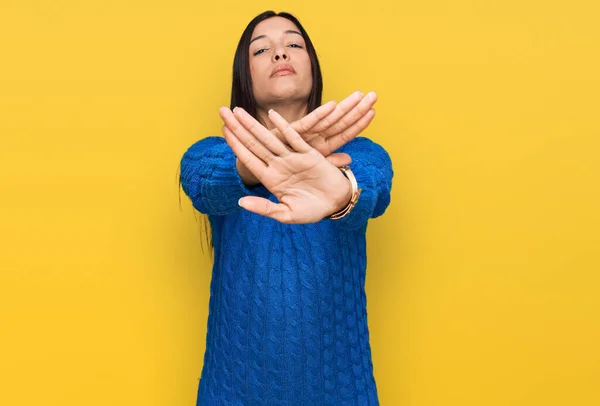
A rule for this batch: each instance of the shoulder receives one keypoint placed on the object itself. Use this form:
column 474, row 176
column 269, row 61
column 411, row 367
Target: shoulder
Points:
column 205, row 144
column 364, row 145
column 209, row 141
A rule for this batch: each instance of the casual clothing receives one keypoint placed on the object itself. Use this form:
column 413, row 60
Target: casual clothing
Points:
column 287, row 320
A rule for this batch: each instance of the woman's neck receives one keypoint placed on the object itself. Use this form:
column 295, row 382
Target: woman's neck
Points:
column 291, row 112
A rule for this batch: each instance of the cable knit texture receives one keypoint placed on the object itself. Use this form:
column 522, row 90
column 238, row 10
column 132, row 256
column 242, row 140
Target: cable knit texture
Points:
column 287, row 320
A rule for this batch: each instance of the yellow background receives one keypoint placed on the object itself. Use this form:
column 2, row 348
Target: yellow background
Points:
column 484, row 274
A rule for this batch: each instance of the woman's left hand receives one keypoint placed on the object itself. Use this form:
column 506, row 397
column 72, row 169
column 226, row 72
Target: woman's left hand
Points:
column 307, row 185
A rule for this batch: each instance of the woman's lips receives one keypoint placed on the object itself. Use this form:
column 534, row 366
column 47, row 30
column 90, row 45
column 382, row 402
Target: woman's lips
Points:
column 282, row 70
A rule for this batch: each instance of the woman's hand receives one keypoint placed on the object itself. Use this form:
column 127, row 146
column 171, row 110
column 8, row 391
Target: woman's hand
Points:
column 327, row 128
column 307, row 185
column 332, row 125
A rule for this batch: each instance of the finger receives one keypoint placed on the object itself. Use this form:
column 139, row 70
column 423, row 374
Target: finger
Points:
column 353, row 115
column 339, row 159
column 355, row 129
column 246, row 157
column 341, row 109
column 267, row 208
column 262, row 134
column 249, row 141
column 311, row 119
column 279, row 135
column 292, row 137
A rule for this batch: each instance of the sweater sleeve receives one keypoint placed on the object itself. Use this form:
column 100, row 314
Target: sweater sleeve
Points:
column 210, row 178
column 372, row 168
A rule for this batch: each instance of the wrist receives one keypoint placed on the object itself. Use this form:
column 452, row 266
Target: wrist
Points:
column 345, row 199
column 352, row 200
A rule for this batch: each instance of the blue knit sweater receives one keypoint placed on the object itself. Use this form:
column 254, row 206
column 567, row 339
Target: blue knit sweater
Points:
column 287, row 320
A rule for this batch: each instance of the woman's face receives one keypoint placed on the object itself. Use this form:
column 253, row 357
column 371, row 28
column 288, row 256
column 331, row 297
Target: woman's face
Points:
column 277, row 44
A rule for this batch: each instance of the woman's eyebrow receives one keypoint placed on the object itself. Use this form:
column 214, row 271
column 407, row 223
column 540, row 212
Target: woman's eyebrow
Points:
column 285, row 32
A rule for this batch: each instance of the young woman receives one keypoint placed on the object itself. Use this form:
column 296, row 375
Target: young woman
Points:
column 288, row 192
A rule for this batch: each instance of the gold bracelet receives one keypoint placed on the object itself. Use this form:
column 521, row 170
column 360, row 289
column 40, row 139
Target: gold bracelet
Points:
column 355, row 194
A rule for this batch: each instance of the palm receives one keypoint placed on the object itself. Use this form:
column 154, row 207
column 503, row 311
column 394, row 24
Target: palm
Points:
column 307, row 185
column 303, row 182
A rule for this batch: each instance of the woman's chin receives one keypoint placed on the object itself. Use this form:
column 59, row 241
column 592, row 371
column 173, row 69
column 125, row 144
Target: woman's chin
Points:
column 290, row 93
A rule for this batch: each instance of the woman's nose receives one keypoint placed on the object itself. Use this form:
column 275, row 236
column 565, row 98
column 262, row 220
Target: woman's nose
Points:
column 281, row 55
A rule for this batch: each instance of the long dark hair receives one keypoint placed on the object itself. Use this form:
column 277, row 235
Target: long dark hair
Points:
column 241, row 85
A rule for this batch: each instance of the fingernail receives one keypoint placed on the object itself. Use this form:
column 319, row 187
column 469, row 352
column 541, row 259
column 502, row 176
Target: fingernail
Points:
column 234, row 109
column 270, row 111
column 360, row 93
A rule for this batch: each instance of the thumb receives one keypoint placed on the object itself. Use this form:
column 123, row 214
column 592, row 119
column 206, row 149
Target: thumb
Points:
column 339, row 159
column 265, row 207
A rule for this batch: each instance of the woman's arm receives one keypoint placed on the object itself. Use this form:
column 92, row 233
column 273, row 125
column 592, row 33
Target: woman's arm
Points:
column 307, row 185
column 372, row 168
column 210, row 177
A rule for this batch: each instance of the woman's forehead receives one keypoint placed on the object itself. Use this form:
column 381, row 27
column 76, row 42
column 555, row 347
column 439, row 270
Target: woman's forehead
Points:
column 273, row 26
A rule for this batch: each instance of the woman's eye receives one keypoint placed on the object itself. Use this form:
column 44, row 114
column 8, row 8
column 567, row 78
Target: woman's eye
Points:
column 260, row 51
column 295, row 45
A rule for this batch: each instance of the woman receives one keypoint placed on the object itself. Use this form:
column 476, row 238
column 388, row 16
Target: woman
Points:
column 287, row 318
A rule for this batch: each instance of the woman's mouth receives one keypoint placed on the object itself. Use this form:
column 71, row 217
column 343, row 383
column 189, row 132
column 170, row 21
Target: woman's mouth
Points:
column 283, row 70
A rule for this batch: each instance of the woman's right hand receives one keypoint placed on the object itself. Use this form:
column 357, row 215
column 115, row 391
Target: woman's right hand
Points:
column 332, row 125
